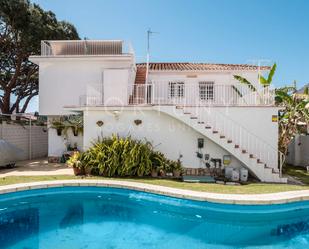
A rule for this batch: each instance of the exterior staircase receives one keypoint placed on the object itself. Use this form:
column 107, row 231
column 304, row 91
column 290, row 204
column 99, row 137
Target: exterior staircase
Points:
column 139, row 87
column 259, row 157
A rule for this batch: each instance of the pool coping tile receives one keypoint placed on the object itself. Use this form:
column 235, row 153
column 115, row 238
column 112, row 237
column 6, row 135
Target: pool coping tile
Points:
column 242, row 199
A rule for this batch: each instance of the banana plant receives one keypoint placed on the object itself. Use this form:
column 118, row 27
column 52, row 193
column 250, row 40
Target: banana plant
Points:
column 265, row 82
column 293, row 116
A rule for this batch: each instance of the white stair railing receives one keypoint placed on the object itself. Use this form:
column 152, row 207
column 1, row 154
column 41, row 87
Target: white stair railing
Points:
column 238, row 135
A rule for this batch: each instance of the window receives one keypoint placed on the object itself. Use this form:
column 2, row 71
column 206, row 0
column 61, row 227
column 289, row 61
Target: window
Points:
column 206, row 91
column 176, row 89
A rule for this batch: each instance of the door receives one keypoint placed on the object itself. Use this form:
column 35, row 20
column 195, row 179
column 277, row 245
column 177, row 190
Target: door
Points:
column 176, row 91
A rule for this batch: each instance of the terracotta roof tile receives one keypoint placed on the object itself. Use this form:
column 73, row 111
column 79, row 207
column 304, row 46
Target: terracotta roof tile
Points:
column 187, row 66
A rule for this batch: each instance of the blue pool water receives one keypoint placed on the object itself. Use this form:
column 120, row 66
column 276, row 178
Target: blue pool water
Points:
column 111, row 218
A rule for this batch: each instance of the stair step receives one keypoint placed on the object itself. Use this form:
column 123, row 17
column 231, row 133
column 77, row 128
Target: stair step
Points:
column 243, row 153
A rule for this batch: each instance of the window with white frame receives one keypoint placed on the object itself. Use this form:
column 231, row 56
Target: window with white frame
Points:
column 206, row 90
column 176, row 89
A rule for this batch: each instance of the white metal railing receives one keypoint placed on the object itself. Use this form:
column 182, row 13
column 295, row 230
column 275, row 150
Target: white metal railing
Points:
column 91, row 100
column 241, row 136
column 85, row 47
column 186, row 95
column 179, row 93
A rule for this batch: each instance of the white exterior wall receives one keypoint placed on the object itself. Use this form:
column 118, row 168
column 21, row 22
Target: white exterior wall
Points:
column 172, row 136
column 165, row 133
column 257, row 120
column 223, row 93
column 64, row 81
column 58, row 144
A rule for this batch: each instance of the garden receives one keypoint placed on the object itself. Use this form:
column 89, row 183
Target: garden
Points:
column 123, row 157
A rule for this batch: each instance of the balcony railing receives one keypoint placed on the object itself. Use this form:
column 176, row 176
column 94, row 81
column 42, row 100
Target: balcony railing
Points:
column 165, row 93
column 85, row 47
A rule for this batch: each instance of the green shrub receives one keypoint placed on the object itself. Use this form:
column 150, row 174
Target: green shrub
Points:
column 117, row 156
column 75, row 160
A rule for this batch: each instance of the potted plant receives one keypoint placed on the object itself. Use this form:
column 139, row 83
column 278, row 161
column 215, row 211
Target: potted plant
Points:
column 177, row 167
column 58, row 126
column 154, row 171
column 88, row 169
column 162, row 172
column 76, row 163
column 168, row 168
column 75, row 123
column 158, row 160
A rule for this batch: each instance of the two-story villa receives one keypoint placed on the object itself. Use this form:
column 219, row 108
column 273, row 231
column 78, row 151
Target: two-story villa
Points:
column 196, row 110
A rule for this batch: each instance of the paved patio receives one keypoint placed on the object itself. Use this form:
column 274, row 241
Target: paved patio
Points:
column 35, row 168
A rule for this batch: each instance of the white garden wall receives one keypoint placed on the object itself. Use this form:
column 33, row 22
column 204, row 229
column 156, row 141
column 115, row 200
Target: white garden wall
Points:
column 19, row 136
column 298, row 152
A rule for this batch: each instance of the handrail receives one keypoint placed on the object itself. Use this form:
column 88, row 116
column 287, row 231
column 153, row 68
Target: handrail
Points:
column 241, row 136
column 193, row 94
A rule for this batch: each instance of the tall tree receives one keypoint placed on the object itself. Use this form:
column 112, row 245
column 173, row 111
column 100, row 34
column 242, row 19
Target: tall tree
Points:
column 22, row 27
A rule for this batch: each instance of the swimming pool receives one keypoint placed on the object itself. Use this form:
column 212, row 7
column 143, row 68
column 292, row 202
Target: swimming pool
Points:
column 112, row 218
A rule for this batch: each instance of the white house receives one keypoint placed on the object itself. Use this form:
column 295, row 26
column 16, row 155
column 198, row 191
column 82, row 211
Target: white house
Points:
column 173, row 105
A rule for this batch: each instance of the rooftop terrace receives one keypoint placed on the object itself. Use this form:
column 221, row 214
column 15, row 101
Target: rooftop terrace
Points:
column 85, row 47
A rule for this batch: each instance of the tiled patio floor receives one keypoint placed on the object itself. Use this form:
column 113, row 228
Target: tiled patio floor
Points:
column 35, row 168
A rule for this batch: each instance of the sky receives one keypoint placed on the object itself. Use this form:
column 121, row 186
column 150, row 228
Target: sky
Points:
column 221, row 31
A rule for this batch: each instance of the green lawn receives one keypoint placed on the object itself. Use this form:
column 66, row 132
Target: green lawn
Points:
column 252, row 188
column 300, row 173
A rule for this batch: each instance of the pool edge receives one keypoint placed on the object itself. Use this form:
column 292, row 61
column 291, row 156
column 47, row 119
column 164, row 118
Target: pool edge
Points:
column 243, row 199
